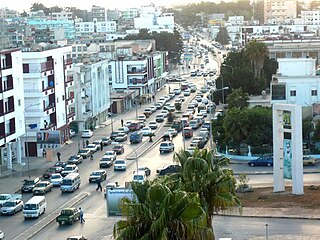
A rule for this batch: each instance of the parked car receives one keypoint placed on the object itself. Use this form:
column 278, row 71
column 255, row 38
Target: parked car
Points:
column 106, row 141
column 28, row 184
column 75, row 159
column 145, row 169
column 97, row 175
column 147, row 112
column 122, row 136
column 92, row 147
column 166, row 147
column 153, row 125
column 106, row 161
column 309, row 161
column 56, row 179
column 84, row 153
column 68, row 215
column 124, row 129
column 52, row 170
column 69, row 169
column 168, row 170
column 87, row 133
column 11, row 207
column 4, row 197
column 146, row 131
column 261, row 161
column 118, row 149
column 42, row 187
column 120, row 165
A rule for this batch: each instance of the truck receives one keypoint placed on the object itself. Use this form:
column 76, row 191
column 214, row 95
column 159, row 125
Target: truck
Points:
column 68, row 215
column 9, row 197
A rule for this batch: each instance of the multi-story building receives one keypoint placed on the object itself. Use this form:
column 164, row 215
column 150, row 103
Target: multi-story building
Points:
column 48, row 96
column 164, row 22
column 95, row 27
column 277, row 11
column 7, row 13
column 48, row 35
column 113, row 15
column 12, row 106
column 130, row 13
column 98, row 13
column 92, row 92
column 236, row 20
column 62, row 16
column 311, row 17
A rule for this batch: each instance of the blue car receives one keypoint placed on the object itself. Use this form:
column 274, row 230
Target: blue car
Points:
column 261, row 161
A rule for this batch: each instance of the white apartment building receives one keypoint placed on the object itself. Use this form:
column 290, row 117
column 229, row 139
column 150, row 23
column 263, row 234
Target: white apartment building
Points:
column 278, row 11
column 130, row 13
column 7, row 13
column 62, row 16
column 95, row 27
column 296, row 82
column 236, row 20
column 11, row 106
column 48, row 96
column 92, row 91
column 164, row 22
column 311, row 17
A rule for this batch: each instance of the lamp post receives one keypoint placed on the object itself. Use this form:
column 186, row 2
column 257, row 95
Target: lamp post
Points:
column 267, row 234
column 226, row 65
column 26, row 132
column 135, row 153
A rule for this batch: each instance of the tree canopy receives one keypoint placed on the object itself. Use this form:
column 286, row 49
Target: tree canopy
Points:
column 223, row 36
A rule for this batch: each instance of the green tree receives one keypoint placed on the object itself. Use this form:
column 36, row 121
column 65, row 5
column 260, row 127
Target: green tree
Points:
column 238, row 99
column 202, row 173
column 307, row 128
column 258, row 9
column 316, row 133
column 257, row 51
column 160, row 213
column 223, row 36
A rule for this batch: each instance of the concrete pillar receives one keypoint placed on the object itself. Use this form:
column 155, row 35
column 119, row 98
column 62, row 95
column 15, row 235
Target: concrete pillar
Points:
column 9, row 156
column 18, row 150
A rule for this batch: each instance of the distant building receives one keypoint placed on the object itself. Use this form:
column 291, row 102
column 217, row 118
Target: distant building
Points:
column 130, row 13
column 278, row 11
column 95, row 27
column 113, row 15
column 311, row 17
column 62, row 16
column 7, row 13
column 236, row 20
column 99, row 13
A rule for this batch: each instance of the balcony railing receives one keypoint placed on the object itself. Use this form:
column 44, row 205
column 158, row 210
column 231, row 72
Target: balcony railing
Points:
column 68, row 61
column 47, row 88
column 49, row 126
column 137, row 81
column 50, row 106
column 71, row 114
column 69, row 79
column 137, row 71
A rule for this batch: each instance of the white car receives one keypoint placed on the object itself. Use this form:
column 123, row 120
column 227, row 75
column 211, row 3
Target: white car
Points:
column 186, row 92
column 205, row 101
column 111, row 154
column 121, row 137
column 171, row 108
column 177, row 91
column 69, row 169
column 146, row 131
column 120, row 165
column 165, row 113
column 153, row 125
column 1, row 235
column 159, row 118
column 191, row 149
column 56, row 179
column 139, row 176
column 142, row 117
column 173, row 132
column 92, row 147
column 127, row 123
column 124, row 129
column 87, row 133
column 11, row 207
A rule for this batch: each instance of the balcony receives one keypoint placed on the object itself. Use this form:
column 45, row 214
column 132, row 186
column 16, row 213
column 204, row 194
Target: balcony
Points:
column 49, row 109
column 71, row 114
column 48, row 127
column 70, row 99
column 137, row 71
column 69, row 79
column 134, row 82
column 68, row 61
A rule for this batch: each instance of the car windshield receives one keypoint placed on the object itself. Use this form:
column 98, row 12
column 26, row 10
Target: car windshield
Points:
column 41, row 185
column 51, row 170
column 117, row 147
column 9, row 204
column 28, row 182
column 82, row 151
column 137, row 177
column 68, row 168
column 119, row 162
column 3, row 197
column 66, row 212
column 109, row 153
column 163, row 144
column 30, row 207
column 66, row 182
column 96, row 173
column 106, row 159
column 73, row 157
column 55, row 176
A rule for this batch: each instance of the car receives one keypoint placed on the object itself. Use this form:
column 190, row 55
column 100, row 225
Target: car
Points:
column 114, row 134
column 159, row 118
column 187, row 132
column 171, row 108
column 87, row 133
column 68, row 215
column 28, row 184
column 1, row 235
column 98, row 143
column 84, row 153
column 158, row 106
column 80, row 237
column 167, row 136
column 166, row 146
column 191, row 149
column 194, row 124
column 186, row 92
column 147, row 112
column 173, row 132
column 203, row 112
column 106, row 141
column 177, row 91
column 56, row 179
column 145, row 169
column 127, row 123
column 111, row 153
column 106, row 161
column 124, row 129
column 194, row 102
column 142, row 123
column 200, row 142
column 141, row 117
column 70, row 168
column 169, row 169
column 204, row 133
column 165, row 113
column 261, row 161
column 309, row 161
column 52, row 170
column 118, row 149
column 72, row 133
column 146, row 131
column 134, row 126
column 75, row 159
column 122, row 136
column 206, row 125
column 181, row 98
column 96, row 175
column 42, row 187
column 11, row 207
column 153, row 108
column 139, row 176
column 193, row 89
column 172, row 95
column 92, row 147
column 205, row 101
column 120, row 165
column 165, row 107
column 153, row 125
column 167, row 98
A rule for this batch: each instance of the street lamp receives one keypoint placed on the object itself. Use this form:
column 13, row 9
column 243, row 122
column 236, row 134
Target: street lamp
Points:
column 222, row 89
column 26, row 132
column 267, row 237
column 226, row 65
column 134, row 150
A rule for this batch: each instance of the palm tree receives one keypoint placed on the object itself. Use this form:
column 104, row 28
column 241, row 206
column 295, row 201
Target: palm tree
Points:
column 202, row 174
column 257, row 51
column 238, row 99
column 160, row 213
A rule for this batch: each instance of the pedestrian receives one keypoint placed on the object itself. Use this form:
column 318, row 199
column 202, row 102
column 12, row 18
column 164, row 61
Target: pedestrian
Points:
column 121, row 122
column 83, row 144
column 101, row 146
column 81, row 216
column 44, row 153
column 99, row 185
column 59, row 156
column 87, row 143
column 152, row 98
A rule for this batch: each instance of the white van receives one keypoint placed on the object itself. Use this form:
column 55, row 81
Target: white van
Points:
column 35, row 207
column 70, row 183
column 139, row 176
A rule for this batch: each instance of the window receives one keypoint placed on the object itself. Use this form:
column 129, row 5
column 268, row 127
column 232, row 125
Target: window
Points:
column 74, row 49
column 314, row 92
column 293, row 93
column 19, row 102
column 278, row 92
column 62, row 97
column 25, row 67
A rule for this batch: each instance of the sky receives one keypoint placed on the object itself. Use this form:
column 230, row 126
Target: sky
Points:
column 21, row 5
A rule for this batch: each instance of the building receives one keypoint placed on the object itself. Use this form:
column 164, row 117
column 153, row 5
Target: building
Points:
column 296, row 82
column 99, row 13
column 95, row 27
column 7, row 13
column 130, row 13
column 12, row 106
column 164, row 22
column 278, row 11
column 311, row 17
column 113, row 15
column 236, row 20
column 62, row 16
column 92, row 91
column 48, row 96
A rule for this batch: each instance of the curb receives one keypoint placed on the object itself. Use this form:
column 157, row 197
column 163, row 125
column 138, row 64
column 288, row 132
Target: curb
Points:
column 268, row 216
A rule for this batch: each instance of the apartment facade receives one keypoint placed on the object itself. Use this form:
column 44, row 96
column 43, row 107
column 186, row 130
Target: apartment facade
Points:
column 49, row 97
column 277, row 11
column 311, row 17
column 62, row 16
column 12, row 106
column 99, row 13
column 95, row 27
